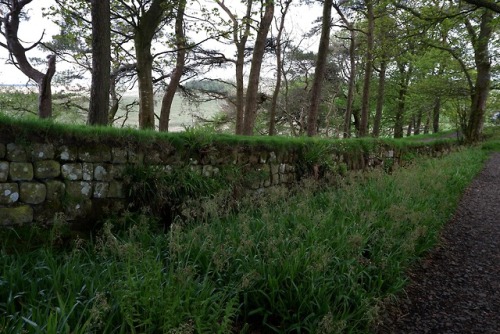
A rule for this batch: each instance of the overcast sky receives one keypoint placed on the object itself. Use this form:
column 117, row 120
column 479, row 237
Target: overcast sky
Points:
column 300, row 20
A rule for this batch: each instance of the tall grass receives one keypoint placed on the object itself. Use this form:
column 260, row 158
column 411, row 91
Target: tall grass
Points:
column 318, row 259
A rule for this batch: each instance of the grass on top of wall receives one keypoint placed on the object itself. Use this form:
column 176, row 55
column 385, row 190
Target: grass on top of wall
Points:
column 315, row 260
column 193, row 139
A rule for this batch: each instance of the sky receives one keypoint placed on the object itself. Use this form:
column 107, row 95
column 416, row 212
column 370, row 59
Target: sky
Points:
column 299, row 18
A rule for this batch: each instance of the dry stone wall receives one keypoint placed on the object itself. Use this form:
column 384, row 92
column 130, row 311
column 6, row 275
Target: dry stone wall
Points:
column 43, row 181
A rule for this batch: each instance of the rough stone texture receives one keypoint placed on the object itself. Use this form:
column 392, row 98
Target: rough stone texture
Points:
column 101, row 189
column 77, row 190
column 78, row 209
column 16, row 216
column 88, row 171
column 456, row 288
column 102, row 172
column 118, row 155
column 16, row 152
column 4, row 171
column 72, row 171
column 9, row 193
column 55, row 190
column 3, row 150
column 21, row 171
column 32, row 192
column 118, row 171
column 135, row 157
column 42, row 151
column 116, row 190
column 98, row 153
column 66, row 153
column 47, row 169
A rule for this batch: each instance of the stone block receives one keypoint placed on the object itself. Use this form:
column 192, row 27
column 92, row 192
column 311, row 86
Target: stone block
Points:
column 99, row 153
column 16, row 216
column 32, row 192
column 88, row 171
column 55, row 190
column 80, row 208
column 3, row 150
column 21, row 171
column 135, row 157
column 9, row 193
column 4, row 171
column 102, row 172
column 101, row 189
column 16, row 152
column 72, row 171
column 47, row 169
column 66, row 153
column 118, row 155
column 78, row 190
column 118, row 171
column 42, row 152
column 116, row 190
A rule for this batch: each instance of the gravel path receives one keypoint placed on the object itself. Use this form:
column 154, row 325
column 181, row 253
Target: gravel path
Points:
column 456, row 288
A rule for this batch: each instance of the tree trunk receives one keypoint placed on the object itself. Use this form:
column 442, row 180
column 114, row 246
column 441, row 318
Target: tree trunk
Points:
column 403, row 88
column 175, row 78
column 435, row 114
column 483, row 78
column 380, row 99
column 18, row 51
column 365, row 101
column 312, row 119
column 101, row 59
column 254, row 77
column 279, row 65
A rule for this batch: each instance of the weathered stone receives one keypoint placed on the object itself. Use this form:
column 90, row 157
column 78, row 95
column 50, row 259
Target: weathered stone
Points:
column 72, row 171
column 42, row 152
column 118, row 171
column 21, row 171
column 9, row 193
column 87, row 171
column 80, row 208
column 99, row 153
column 78, row 190
column 47, row 169
column 116, row 190
column 32, row 192
column 4, row 171
column 152, row 158
column 103, row 172
column 55, row 189
column 207, row 171
column 101, row 189
column 3, row 150
column 18, row 215
column 118, row 155
column 16, row 152
column 272, row 157
column 389, row 154
column 135, row 157
column 68, row 153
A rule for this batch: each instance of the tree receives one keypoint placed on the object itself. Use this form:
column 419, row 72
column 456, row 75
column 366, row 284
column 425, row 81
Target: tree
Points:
column 494, row 6
column 256, row 64
column 175, row 78
column 365, row 101
column 12, row 11
column 101, row 59
column 312, row 118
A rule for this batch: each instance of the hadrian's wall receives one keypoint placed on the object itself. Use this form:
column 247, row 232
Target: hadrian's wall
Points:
column 80, row 181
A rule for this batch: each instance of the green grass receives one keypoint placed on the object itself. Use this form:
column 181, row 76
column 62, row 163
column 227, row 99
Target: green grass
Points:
column 318, row 259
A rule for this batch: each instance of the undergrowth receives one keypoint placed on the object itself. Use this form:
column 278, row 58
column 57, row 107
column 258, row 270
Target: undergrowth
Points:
column 314, row 259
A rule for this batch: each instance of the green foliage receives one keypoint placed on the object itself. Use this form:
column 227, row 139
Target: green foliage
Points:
column 315, row 259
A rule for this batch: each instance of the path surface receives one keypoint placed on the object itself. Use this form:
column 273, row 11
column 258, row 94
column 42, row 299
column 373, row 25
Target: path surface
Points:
column 456, row 288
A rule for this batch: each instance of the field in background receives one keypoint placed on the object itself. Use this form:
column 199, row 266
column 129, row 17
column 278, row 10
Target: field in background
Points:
column 183, row 112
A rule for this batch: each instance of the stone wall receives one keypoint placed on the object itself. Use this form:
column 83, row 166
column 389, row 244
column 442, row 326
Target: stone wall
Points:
column 82, row 181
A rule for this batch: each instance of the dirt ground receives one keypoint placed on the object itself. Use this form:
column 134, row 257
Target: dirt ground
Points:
column 456, row 288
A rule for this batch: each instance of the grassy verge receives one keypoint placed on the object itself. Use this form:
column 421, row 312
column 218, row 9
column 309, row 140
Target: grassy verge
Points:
column 318, row 260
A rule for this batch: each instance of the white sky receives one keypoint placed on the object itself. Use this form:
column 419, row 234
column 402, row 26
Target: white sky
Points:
column 300, row 21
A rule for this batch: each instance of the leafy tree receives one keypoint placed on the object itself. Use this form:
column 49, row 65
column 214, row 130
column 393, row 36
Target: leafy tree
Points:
column 12, row 12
